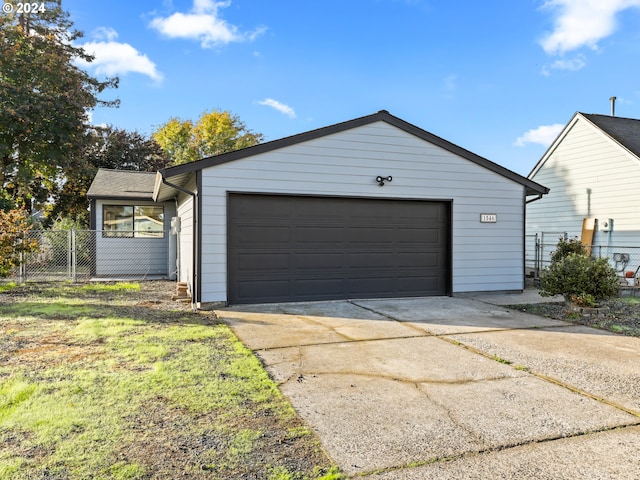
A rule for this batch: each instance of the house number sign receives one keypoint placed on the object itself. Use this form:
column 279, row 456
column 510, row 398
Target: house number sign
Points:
column 488, row 218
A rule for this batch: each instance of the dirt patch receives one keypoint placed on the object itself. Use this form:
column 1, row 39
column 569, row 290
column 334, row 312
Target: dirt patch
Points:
column 204, row 453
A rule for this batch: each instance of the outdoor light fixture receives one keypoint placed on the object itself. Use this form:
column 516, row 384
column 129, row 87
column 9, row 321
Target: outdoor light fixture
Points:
column 381, row 180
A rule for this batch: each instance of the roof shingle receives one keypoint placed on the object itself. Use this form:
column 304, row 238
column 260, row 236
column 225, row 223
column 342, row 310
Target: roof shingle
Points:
column 625, row 131
column 125, row 184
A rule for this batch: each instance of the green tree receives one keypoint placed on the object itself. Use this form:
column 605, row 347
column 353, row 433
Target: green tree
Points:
column 44, row 101
column 6, row 202
column 108, row 147
column 214, row 133
column 14, row 239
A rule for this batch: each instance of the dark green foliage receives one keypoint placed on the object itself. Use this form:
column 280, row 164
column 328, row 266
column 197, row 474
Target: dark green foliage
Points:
column 581, row 279
column 107, row 147
column 6, row 203
column 45, row 99
column 565, row 247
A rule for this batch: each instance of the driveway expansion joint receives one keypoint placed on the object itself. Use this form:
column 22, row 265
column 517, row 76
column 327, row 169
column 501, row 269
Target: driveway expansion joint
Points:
column 485, row 451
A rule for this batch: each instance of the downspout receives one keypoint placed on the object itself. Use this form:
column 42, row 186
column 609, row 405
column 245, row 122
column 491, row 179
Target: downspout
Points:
column 195, row 294
column 524, row 232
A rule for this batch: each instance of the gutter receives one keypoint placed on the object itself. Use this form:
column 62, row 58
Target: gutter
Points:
column 195, row 293
column 537, row 197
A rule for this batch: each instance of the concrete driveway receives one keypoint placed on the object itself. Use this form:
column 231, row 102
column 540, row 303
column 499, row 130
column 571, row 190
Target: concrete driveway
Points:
column 446, row 387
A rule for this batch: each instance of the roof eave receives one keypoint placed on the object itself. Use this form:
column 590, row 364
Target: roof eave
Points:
column 532, row 187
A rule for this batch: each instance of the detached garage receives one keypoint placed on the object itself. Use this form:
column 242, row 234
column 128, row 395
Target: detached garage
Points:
column 371, row 207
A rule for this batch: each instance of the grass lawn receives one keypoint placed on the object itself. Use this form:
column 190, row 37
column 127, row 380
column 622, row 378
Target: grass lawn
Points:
column 113, row 381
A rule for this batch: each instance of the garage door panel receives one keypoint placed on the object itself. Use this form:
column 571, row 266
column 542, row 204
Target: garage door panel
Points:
column 279, row 208
column 328, row 209
column 318, row 288
column 259, row 291
column 245, row 236
column 368, row 286
column 294, row 248
column 420, row 260
column 260, row 262
column 381, row 214
column 318, row 261
column 363, row 236
column 421, row 285
column 374, row 260
column 419, row 237
column 319, row 235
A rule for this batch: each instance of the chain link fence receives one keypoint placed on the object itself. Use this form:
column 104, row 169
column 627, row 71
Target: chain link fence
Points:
column 81, row 255
column 541, row 246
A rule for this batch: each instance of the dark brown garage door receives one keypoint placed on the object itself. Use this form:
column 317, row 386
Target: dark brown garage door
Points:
column 294, row 248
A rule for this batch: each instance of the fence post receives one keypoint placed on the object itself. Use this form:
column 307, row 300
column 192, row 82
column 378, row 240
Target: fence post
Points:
column 68, row 254
column 74, row 257
column 21, row 268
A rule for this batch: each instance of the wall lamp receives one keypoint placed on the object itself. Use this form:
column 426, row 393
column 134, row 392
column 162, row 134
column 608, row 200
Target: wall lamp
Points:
column 381, row 180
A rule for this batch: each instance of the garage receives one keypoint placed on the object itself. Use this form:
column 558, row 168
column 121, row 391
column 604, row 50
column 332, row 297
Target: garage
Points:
column 295, row 248
column 370, row 207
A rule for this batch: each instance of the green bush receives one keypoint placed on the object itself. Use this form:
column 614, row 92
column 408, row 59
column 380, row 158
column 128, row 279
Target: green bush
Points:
column 581, row 279
column 565, row 247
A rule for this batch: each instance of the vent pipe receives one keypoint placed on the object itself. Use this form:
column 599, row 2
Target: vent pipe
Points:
column 613, row 106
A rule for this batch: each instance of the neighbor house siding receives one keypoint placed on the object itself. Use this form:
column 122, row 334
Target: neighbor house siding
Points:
column 134, row 256
column 589, row 176
column 485, row 256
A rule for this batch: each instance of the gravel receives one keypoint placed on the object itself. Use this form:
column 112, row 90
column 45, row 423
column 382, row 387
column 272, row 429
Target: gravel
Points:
column 623, row 316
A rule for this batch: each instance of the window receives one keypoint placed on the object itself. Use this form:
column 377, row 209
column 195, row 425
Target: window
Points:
column 129, row 221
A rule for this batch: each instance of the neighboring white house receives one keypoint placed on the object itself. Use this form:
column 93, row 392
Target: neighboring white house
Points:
column 133, row 237
column 371, row 207
column 593, row 172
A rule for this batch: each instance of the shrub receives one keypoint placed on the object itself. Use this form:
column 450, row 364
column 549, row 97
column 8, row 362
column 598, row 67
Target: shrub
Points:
column 565, row 247
column 581, row 279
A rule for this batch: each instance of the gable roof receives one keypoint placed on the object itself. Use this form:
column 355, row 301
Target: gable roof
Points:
column 623, row 131
column 122, row 184
column 176, row 174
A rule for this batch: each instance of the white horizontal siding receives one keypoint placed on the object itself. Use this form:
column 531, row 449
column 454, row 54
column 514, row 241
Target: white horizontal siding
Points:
column 185, row 212
column 134, row 256
column 589, row 175
column 485, row 256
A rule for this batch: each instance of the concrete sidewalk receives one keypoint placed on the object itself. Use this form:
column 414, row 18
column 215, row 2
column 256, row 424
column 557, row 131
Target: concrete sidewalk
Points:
column 444, row 387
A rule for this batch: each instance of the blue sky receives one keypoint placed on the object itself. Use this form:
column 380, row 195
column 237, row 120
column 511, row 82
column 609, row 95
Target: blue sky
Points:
column 497, row 77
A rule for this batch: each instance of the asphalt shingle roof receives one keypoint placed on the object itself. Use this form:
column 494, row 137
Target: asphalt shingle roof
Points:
column 127, row 184
column 625, row 131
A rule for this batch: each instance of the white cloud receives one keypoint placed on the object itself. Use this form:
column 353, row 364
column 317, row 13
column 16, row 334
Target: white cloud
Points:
column 581, row 23
column 543, row 135
column 203, row 23
column 281, row 107
column 574, row 64
column 115, row 58
column 105, row 33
